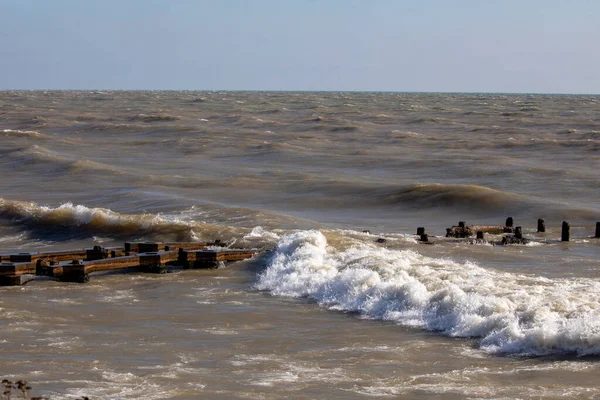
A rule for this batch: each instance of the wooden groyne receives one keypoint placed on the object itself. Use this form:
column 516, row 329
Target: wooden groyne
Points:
column 512, row 234
column 160, row 257
column 78, row 265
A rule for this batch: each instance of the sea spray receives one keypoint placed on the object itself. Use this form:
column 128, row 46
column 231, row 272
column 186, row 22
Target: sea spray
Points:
column 511, row 314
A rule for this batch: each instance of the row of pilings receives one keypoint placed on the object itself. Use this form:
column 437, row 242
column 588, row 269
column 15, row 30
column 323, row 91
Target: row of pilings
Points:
column 514, row 233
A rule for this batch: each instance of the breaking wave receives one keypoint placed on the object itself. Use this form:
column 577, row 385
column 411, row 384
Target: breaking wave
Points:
column 510, row 314
column 68, row 221
column 68, row 217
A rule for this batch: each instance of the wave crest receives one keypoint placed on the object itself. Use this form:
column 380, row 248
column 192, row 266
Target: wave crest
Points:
column 95, row 220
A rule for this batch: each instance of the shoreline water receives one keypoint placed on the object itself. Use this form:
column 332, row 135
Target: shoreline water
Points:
column 332, row 313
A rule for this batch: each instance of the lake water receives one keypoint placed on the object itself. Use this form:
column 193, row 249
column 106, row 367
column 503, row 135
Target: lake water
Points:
column 328, row 312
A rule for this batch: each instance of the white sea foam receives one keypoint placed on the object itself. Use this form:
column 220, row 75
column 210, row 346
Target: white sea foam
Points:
column 259, row 232
column 512, row 314
column 119, row 296
column 117, row 385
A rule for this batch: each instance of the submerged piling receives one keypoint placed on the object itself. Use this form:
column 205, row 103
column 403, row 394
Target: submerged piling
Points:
column 541, row 226
column 566, row 232
column 518, row 232
column 420, row 231
column 597, row 230
column 509, row 222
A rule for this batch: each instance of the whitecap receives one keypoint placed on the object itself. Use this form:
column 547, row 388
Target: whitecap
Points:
column 511, row 314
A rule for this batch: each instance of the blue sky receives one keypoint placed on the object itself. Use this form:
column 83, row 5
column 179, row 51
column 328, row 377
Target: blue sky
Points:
column 546, row 46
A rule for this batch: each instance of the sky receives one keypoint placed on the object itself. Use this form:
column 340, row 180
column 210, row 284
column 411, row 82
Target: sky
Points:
column 531, row 46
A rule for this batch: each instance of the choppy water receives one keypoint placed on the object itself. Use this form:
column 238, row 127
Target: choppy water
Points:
column 329, row 313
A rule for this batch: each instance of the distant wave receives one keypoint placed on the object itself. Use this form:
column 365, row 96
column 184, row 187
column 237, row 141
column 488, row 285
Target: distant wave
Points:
column 482, row 200
column 473, row 200
column 347, row 128
column 510, row 314
column 421, row 195
column 51, row 161
column 425, row 120
column 115, row 127
column 278, row 148
column 453, row 195
column 154, row 117
column 27, row 134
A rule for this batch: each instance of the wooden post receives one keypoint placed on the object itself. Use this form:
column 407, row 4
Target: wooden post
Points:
column 541, row 225
column 566, row 232
column 518, row 232
column 509, row 222
column 420, row 230
column 479, row 235
column 597, row 230
column 424, row 237
column 461, row 224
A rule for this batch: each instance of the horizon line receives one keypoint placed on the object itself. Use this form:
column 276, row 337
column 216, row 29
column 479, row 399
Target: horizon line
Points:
column 300, row 91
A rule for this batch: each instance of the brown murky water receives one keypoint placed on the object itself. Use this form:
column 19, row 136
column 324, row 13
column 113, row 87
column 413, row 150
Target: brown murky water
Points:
column 329, row 313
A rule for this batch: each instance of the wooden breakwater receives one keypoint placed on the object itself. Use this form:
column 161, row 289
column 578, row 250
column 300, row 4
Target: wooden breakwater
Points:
column 158, row 257
column 78, row 265
column 511, row 234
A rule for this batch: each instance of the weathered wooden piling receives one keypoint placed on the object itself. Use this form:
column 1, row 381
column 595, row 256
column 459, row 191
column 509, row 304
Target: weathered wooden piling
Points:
column 463, row 232
column 460, row 231
column 45, row 267
column 120, row 252
column 424, row 237
column 541, row 226
column 518, row 232
column 96, row 253
column 15, row 280
column 597, row 235
column 73, row 271
column 479, row 235
column 17, row 268
column 515, row 238
column 212, row 258
column 156, row 262
column 566, row 232
column 420, row 231
column 150, row 247
column 78, row 271
column 153, row 247
column 131, row 247
column 99, row 252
